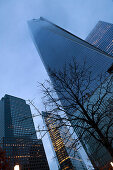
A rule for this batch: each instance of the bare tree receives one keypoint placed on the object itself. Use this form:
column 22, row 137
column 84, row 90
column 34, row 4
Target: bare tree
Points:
column 84, row 100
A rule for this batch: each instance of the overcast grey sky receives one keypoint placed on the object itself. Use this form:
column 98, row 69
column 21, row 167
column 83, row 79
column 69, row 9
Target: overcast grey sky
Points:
column 20, row 64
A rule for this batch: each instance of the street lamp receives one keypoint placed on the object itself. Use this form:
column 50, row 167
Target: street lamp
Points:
column 111, row 164
column 16, row 167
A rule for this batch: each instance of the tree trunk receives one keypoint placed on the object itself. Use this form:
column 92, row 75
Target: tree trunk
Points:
column 104, row 142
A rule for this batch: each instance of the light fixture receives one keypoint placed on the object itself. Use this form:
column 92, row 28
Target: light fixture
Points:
column 111, row 164
column 16, row 167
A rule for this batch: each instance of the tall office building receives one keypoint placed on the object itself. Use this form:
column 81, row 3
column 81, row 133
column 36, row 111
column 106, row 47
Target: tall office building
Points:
column 57, row 47
column 16, row 118
column 63, row 144
column 102, row 37
column 18, row 135
column 26, row 152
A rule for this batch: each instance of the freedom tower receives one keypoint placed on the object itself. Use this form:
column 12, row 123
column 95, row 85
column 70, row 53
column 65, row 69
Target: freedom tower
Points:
column 56, row 47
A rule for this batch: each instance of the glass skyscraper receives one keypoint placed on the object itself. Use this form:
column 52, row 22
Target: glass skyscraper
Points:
column 102, row 37
column 17, row 117
column 63, row 144
column 26, row 152
column 58, row 47
column 18, row 135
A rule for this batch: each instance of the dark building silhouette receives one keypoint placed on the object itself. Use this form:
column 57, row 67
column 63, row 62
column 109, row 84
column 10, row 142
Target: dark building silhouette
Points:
column 63, row 144
column 17, row 118
column 102, row 37
column 18, row 135
column 58, row 47
column 25, row 152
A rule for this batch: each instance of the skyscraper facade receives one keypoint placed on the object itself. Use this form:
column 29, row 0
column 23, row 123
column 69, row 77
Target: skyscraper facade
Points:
column 58, row 47
column 26, row 152
column 102, row 37
column 18, row 135
column 17, row 118
column 63, row 144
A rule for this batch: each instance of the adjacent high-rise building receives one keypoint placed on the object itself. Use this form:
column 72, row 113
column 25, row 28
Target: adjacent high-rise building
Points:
column 26, row 152
column 18, row 135
column 16, row 118
column 58, row 47
column 102, row 37
column 63, row 143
